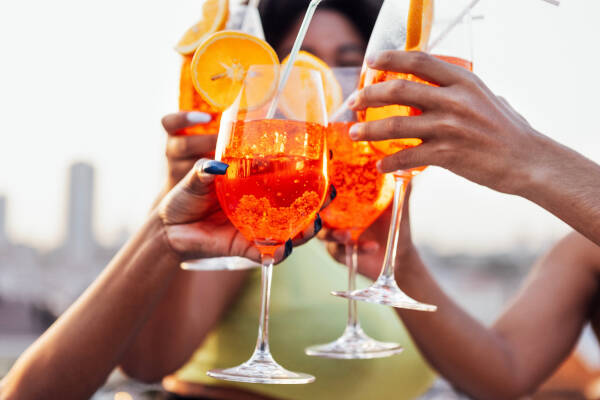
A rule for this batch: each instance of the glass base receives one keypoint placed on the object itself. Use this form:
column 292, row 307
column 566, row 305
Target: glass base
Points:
column 219, row 264
column 385, row 291
column 354, row 344
column 261, row 368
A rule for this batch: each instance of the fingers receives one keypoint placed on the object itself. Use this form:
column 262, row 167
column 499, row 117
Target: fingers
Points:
column 423, row 65
column 309, row 232
column 184, row 147
column 397, row 91
column 198, row 181
column 393, row 128
column 409, row 158
column 174, row 123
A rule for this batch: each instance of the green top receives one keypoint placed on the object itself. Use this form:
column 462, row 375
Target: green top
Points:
column 303, row 313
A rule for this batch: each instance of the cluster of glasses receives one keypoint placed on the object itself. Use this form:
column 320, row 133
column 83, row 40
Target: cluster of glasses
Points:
column 280, row 171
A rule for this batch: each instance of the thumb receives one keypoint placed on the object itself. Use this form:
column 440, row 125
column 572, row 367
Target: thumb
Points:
column 198, row 181
column 194, row 195
column 413, row 157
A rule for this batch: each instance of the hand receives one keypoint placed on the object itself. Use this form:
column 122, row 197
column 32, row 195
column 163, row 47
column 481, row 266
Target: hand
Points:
column 196, row 227
column 464, row 126
column 183, row 151
column 372, row 243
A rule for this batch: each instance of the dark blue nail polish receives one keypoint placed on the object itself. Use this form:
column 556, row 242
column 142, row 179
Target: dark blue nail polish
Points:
column 289, row 247
column 333, row 192
column 215, row 167
column 318, row 224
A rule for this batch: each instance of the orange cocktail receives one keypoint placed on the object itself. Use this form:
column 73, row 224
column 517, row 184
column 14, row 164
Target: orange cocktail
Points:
column 273, row 187
column 190, row 100
column 363, row 193
column 370, row 77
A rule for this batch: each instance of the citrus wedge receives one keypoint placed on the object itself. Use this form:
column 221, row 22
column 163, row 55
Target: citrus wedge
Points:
column 420, row 20
column 293, row 105
column 214, row 18
column 220, row 65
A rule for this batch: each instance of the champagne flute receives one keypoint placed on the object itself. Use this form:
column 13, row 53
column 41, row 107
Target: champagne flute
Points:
column 362, row 195
column 393, row 32
column 275, row 184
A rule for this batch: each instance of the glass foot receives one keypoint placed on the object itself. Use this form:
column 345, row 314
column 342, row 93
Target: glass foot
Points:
column 385, row 291
column 354, row 344
column 261, row 368
column 219, row 264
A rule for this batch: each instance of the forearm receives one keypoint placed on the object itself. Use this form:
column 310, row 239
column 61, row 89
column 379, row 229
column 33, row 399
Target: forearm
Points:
column 565, row 183
column 472, row 357
column 74, row 357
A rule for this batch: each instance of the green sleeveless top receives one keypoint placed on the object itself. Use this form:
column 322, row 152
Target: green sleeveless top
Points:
column 303, row 313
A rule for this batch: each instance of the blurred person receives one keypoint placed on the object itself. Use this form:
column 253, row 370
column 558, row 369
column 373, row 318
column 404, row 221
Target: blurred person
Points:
column 472, row 132
column 73, row 358
column 302, row 311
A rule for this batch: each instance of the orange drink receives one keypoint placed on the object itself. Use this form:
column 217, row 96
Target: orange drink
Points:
column 362, row 192
column 269, row 195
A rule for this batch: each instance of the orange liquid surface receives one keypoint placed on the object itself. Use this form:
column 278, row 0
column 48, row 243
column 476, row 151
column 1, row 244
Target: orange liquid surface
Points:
column 362, row 192
column 370, row 77
column 190, row 100
column 275, row 184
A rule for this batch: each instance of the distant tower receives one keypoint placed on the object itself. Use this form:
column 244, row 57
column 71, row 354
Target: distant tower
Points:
column 3, row 235
column 80, row 237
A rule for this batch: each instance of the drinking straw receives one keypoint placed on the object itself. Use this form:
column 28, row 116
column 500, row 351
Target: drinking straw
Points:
column 292, row 57
column 459, row 19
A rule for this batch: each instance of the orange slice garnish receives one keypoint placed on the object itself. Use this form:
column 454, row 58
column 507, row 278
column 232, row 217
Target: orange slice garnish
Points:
column 420, row 20
column 220, row 65
column 294, row 105
column 214, row 18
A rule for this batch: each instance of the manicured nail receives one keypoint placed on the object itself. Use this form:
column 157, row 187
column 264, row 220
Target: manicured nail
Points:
column 354, row 130
column 318, row 224
column 333, row 193
column 197, row 117
column 214, row 167
column 289, row 247
column 378, row 166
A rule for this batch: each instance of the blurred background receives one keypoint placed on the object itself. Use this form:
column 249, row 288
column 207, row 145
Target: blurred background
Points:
column 83, row 87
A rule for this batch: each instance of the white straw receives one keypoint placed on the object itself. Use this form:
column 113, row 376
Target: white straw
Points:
column 312, row 6
column 459, row 19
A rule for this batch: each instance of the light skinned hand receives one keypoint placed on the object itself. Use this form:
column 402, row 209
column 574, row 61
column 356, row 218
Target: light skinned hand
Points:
column 464, row 126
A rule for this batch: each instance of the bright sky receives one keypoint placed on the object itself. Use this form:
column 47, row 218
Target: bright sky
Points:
column 90, row 81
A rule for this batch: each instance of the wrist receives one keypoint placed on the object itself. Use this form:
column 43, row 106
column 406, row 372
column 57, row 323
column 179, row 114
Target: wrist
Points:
column 157, row 240
column 408, row 265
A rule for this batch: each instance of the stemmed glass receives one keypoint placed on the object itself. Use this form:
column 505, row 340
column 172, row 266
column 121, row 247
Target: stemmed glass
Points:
column 244, row 18
column 275, row 184
column 362, row 195
column 390, row 33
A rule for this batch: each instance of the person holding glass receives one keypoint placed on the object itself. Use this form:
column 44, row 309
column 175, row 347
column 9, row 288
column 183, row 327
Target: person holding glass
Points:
column 496, row 147
column 300, row 301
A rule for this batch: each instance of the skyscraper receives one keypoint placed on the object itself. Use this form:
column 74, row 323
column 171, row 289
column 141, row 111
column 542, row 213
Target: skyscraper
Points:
column 80, row 235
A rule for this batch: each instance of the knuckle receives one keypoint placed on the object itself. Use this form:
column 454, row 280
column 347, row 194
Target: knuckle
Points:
column 449, row 125
column 385, row 58
column 396, row 88
column 417, row 60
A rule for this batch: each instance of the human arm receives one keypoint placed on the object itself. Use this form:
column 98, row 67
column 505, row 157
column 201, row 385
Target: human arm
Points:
column 75, row 355
column 473, row 133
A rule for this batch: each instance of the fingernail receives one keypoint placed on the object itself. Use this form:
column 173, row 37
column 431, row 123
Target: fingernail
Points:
column 378, row 166
column 352, row 99
column 214, row 167
column 289, row 247
column 197, row 117
column 333, row 192
column 318, row 224
column 354, row 130
column 370, row 60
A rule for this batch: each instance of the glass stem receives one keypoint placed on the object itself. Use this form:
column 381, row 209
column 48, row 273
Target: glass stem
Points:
column 262, row 342
column 389, row 263
column 352, row 264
